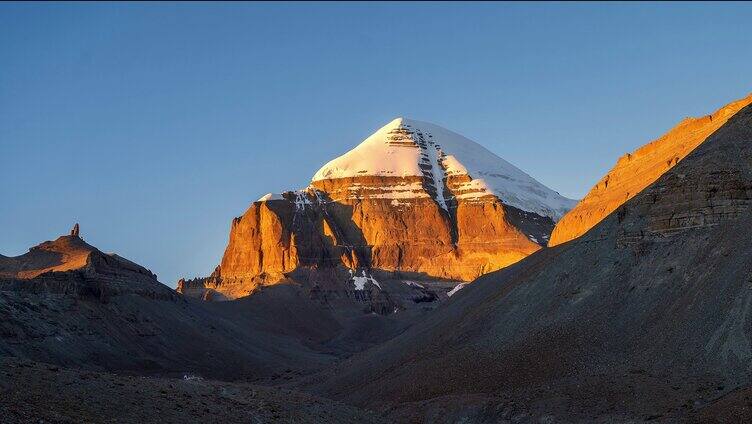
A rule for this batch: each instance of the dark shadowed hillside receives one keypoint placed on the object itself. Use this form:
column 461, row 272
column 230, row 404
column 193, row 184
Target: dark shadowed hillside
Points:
column 67, row 303
column 36, row 393
column 645, row 317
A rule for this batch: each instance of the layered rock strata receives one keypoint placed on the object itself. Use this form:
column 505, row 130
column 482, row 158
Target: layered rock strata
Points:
column 635, row 171
column 412, row 202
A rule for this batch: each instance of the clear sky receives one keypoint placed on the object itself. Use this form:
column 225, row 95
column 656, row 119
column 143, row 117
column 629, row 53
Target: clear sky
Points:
column 153, row 125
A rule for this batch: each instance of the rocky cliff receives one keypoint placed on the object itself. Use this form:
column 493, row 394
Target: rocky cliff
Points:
column 413, row 201
column 637, row 170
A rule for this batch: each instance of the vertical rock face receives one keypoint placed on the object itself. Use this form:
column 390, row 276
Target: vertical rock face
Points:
column 74, row 230
column 635, row 171
column 413, row 201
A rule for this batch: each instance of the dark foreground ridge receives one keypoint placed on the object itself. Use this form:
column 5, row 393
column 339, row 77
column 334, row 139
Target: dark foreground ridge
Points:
column 67, row 303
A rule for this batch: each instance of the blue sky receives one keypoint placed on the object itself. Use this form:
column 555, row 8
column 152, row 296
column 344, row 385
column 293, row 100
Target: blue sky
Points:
column 154, row 124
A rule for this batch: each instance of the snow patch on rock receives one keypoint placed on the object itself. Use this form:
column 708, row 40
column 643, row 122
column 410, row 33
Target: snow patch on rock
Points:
column 414, row 284
column 270, row 196
column 360, row 281
column 301, row 200
column 456, row 288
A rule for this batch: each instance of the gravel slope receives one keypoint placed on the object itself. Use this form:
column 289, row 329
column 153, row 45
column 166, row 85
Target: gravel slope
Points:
column 33, row 392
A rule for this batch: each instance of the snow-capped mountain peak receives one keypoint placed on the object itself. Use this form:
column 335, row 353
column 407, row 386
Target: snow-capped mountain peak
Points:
column 452, row 164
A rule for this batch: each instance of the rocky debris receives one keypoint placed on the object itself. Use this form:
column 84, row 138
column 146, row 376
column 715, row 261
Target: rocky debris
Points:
column 414, row 200
column 251, row 339
column 66, row 302
column 74, row 231
column 645, row 317
column 635, row 171
column 41, row 393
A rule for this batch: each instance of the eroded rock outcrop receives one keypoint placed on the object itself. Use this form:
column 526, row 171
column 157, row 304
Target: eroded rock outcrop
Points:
column 412, row 202
column 635, row 171
column 69, row 265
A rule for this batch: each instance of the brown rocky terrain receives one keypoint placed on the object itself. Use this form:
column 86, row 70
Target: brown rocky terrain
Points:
column 70, row 316
column 69, row 265
column 635, row 171
column 643, row 318
column 67, row 303
column 32, row 392
column 388, row 227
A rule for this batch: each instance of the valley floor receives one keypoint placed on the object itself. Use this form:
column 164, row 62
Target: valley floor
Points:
column 637, row 398
column 33, row 392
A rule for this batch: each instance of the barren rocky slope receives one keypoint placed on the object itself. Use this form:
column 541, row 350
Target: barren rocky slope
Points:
column 645, row 317
column 65, row 302
column 33, row 392
column 406, row 215
column 637, row 170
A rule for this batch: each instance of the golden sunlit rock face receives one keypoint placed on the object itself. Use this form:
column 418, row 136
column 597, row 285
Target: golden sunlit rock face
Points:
column 64, row 254
column 415, row 239
column 635, row 171
column 413, row 201
column 68, row 265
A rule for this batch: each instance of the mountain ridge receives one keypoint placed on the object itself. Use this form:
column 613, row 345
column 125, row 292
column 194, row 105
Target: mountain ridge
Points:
column 411, row 201
column 636, row 170
column 442, row 154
